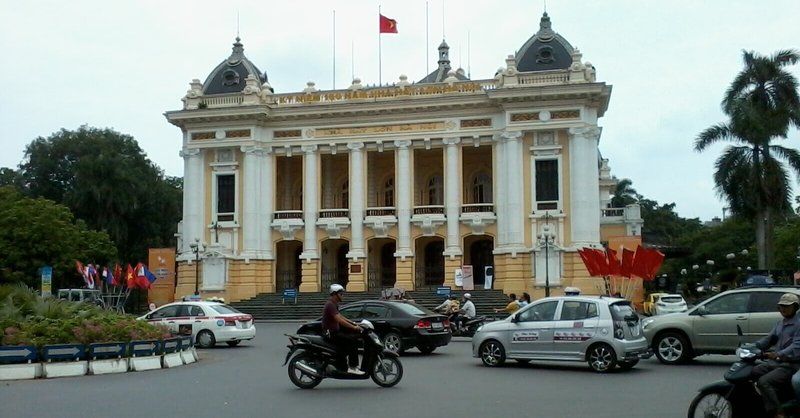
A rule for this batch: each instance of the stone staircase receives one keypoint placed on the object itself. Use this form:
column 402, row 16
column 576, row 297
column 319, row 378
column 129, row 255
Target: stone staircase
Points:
column 272, row 307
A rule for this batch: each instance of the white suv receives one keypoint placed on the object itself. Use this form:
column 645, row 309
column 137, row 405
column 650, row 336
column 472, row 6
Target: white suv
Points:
column 603, row 331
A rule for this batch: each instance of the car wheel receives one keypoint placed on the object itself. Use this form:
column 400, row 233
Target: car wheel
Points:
column 672, row 348
column 205, row 339
column 492, row 353
column 233, row 343
column 602, row 358
column 426, row 349
column 627, row 365
column 392, row 342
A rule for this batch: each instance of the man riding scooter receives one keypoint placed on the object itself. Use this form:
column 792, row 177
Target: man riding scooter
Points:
column 466, row 312
column 784, row 361
column 340, row 330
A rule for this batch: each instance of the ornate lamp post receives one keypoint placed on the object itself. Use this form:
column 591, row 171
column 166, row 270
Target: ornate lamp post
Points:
column 546, row 239
column 196, row 248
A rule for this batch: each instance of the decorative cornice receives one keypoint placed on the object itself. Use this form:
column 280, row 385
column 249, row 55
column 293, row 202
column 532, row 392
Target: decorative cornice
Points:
column 451, row 141
column 404, row 144
column 309, row 149
column 355, row 146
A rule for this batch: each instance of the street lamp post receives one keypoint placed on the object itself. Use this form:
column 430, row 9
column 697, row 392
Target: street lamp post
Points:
column 546, row 239
column 710, row 264
column 196, row 248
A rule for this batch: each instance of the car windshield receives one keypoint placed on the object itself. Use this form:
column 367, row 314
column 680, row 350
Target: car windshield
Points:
column 412, row 309
column 623, row 311
column 671, row 299
column 224, row 309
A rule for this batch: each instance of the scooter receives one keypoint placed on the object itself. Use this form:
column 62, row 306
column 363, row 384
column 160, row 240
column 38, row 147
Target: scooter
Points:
column 312, row 358
column 737, row 396
column 468, row 328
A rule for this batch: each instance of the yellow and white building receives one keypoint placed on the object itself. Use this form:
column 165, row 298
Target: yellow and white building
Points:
column 399, row 185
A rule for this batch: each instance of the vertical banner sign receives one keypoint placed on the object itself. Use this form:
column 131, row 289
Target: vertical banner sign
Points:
column 459, row 279
column 47, row 280
column 469, row 283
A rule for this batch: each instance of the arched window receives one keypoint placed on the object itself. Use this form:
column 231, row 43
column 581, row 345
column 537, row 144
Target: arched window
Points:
column 388, row 192
column 482, row 188
column 435, row 191
column 344, row 195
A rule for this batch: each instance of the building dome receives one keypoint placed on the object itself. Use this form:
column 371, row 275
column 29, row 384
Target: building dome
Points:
column 229, row 76
column 546, row 50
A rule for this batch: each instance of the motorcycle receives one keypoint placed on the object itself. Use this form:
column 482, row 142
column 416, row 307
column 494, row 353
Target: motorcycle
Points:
column 737, row 396
column 312, row 358
column 467, row 328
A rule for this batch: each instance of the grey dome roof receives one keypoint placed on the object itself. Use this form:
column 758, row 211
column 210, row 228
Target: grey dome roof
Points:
column 438, row 75
column 229, row 76
column 546, row 50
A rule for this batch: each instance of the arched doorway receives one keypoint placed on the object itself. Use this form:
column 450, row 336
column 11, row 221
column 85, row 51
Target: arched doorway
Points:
column 382, row 269
column 288, row 266
column 334, row 262
column 429, row 258
column 480, row 256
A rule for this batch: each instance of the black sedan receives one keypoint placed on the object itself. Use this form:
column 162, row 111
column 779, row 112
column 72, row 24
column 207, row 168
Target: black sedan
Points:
column 401, row 325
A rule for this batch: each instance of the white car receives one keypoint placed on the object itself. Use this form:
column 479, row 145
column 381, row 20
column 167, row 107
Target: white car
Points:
column 603, row 331
column 670, row 304
column 208, row 323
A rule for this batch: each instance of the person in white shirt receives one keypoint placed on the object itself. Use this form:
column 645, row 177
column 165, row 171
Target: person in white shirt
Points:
column 466, row 312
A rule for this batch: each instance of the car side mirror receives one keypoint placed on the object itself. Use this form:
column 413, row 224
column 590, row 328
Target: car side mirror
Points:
column 701, row 310
column 514, row 318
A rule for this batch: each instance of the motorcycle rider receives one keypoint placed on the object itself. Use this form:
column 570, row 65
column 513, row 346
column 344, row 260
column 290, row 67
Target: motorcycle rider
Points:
column 466, row 312
column 449, row 305
column 345, row 334
column 782, row 363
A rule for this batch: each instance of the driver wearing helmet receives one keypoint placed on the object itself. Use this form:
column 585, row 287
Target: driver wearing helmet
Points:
column 784, row 360
column 341, row 331
column 466, row 312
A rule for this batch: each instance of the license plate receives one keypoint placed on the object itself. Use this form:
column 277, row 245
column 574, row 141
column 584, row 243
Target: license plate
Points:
column 437, row 325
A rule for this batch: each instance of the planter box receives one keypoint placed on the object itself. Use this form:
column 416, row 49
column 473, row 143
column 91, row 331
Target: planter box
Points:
column 172, row 360
column 138, row 364
column 189, row 356
column 20, row 371
column 107, row 366
column 65, row 369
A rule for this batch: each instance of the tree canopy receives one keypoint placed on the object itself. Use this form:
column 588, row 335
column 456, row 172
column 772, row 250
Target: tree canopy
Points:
column 38, row 232
column 106, row 179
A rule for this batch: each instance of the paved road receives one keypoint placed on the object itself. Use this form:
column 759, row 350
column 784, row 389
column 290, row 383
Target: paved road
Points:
column 249, row 381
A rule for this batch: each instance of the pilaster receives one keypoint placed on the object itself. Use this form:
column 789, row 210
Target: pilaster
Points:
column 356, row 277
column 453, row 197
column 584, row 187
column 403, row 181
column 357, row 201
column 405, row 273
column 310, row 276
column 310, row 206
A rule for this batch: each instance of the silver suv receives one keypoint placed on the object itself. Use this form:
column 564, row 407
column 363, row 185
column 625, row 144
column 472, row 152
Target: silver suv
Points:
column 604, row 332
column 710, row 327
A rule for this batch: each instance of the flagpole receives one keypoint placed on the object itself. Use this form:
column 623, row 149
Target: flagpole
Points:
column 427, row 42
column 334, row 49
column 380, row 62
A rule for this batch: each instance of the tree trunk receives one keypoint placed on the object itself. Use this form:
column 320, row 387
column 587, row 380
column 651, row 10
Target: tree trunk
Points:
column 763, row 224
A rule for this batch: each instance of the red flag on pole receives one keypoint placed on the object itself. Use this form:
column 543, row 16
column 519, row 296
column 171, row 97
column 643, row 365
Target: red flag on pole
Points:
column 141, row 277
column 387, row 25
column 116, row 277
column 614, row 267
column 130, row 279
column 627, row 262
column 589, row 262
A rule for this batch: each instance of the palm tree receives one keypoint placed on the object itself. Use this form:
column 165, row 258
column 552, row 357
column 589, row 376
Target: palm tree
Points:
column 762, row 104
column 624, row 194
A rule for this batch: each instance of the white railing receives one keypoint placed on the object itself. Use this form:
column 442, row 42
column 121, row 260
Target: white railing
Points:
column 554, row 77
column 222, row 101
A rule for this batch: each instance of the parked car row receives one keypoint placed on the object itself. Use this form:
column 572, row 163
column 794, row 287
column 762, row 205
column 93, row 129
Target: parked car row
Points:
column 604, row 332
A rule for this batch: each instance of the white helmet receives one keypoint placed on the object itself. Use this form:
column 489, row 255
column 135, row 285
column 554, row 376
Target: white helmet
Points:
column 336, row 288
column 467, row 296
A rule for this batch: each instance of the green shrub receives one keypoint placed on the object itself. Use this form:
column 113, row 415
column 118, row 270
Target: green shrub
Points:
column 27, row 319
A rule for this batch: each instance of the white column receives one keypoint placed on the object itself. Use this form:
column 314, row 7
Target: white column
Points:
column 252, row 184
column 403, row 204
column 310, row 206
column 452, row 197
column 584, row 186
column 500, row 187
column 266, row 200
column 356, row 193
column 193, row 198
column 515, row 205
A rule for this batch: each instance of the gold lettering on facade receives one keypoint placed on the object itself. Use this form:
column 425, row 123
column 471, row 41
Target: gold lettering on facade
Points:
column 383, row 129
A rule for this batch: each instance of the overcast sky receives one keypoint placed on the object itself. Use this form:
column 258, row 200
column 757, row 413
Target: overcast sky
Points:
column 122, row 64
